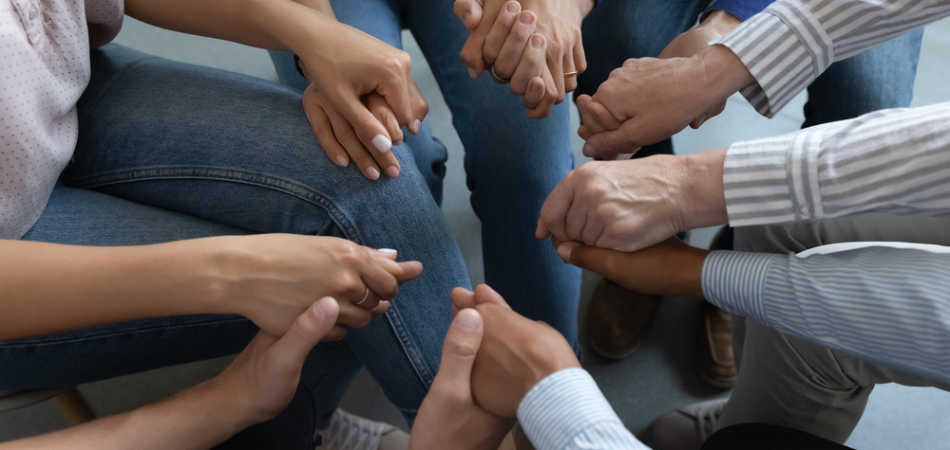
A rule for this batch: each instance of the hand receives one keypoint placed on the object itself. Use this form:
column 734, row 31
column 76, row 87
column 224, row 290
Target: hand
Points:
column 387, row 161
column 653, row 99
column 272, row 279
column 348, row 65
column 671, row 268
column 499, row 36
column 596, row 119
column 630, row 205
column 449, row 417
column 263, row 378
column 516, row 353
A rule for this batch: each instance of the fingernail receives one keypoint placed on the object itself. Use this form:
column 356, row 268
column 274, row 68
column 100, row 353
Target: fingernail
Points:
column 564, row 251
column 392, row 171
column 468, row 320
column 526, row 18
column 324, row 307
column 588, row 150
column 373, row 173
column 512, row 7
column 415, row 126
column 471, row 73
column 342, row 161
column 382, row 143
column 386, row 250
column 466, row 16
column 537, row 42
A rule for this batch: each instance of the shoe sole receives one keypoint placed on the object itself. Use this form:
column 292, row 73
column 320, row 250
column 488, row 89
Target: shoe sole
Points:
column 721, row 383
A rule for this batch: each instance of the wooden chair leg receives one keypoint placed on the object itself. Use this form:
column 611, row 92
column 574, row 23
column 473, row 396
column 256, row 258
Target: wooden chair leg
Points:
column 74, row 407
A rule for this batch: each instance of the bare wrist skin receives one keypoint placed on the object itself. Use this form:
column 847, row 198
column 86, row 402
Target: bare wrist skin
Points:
column 720, row 21
column 722, row 72
column 705, row 204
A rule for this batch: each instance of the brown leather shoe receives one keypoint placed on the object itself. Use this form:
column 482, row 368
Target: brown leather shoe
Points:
column 618, row 318
column 717, row 363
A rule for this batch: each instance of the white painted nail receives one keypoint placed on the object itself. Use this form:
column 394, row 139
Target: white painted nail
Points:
column 382, row 143
column 342, row 161
column 386, row 250
column 373, row 173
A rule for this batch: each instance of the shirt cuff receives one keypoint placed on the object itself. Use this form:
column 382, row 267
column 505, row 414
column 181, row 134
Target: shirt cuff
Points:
column 734, row 281
column 785, row 48
column 773, row 180
column 562, row 406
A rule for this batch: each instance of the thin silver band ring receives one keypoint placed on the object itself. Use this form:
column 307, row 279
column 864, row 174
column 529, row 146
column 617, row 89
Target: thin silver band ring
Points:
column 364, row 298
column 497, row 78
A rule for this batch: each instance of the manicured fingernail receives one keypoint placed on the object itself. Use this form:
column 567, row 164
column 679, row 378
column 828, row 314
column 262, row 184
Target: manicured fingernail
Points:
column 527, row 18
column 512, row 7
column 415, row 126
column 382, row 143
column 392, row 171
column 386, row 250
column 373, row 173
column 471, row 73
column 468, row 320
column 537, row 42
column 342, row 161
column 588, row 150
column 323, row 308
column 564, row 251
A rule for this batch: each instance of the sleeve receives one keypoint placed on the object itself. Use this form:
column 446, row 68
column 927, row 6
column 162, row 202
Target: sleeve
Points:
column 566, row 411
column 741, row 9
column 895, row 161
column 887, row 305
column 791, row 42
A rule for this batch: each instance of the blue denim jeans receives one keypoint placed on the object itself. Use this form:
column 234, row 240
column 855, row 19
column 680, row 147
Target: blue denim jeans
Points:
column 881, row 77
column 171, row 151
column 512, row 163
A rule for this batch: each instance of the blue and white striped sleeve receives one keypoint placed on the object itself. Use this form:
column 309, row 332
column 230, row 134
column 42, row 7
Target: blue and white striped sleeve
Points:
column 881, row 304
column 567, row 411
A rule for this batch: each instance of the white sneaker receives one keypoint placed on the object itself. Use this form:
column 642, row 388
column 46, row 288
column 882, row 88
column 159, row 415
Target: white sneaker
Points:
column 349, row 432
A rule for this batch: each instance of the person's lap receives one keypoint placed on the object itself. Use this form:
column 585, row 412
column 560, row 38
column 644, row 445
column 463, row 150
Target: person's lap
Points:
column 512, row 163
column 191, row 149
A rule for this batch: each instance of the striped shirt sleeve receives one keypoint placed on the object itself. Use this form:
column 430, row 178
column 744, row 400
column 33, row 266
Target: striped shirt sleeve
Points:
column 895, row 161
column 791, row 42
column 566, row 411
column 885, row 305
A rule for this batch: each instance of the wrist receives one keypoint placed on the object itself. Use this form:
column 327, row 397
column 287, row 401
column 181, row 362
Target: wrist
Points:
column 722, row 72
column 720, row 21
column 584, row 7
column 705, row 201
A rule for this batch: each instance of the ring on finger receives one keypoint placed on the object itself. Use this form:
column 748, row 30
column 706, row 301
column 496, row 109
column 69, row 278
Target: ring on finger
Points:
column 570, row 74
column 497, row 78
column 366, row 296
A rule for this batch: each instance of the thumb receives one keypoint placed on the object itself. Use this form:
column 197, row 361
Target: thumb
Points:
column 458, row 353
column 594, row 259
column 307, row 331
column 469, row 12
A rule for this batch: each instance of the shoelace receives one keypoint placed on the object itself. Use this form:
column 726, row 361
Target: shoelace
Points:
column 349, row 432
column 706, row 419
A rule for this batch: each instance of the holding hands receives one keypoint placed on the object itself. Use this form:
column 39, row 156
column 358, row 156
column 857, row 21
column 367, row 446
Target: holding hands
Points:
column 648, row 100
column 535, row 45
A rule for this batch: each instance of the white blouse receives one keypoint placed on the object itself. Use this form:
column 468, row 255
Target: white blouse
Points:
column 44, row 68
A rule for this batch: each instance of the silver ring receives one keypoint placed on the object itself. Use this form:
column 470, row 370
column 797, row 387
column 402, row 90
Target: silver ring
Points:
column 570, row 74
column 364, row 298
column 498, row 79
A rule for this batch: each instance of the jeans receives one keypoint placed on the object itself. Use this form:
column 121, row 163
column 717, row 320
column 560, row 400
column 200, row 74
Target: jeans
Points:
column 512, row 163
column 882, row 77
column 171, row 151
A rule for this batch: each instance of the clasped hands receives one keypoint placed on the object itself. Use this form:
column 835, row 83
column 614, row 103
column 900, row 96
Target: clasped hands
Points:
column 535, row 45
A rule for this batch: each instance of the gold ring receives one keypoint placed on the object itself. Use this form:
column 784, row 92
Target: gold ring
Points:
column 571, row 74
column 498, row 79
column 364, row 298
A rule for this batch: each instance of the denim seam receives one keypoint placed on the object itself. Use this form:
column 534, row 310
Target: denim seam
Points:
column 71, row 340
column 233, row 175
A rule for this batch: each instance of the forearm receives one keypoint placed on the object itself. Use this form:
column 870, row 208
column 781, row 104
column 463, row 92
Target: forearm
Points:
column 810, row 37
column 881, row 304
column 51, row 288
column 198, row 418
column 895, row 161
column 268, row 24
